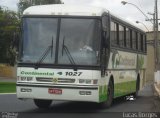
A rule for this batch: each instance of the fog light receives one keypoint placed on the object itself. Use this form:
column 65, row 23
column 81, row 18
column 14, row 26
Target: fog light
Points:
column 82, row 92
column 85, row 92
column 88, row 92
column 26, row 90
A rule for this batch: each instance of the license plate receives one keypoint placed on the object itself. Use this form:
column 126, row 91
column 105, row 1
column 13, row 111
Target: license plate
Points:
column 54, row 91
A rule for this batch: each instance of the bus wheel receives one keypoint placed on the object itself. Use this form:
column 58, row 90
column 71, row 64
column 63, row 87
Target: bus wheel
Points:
column 110, row 92
column 42, row 103
column 135, row 95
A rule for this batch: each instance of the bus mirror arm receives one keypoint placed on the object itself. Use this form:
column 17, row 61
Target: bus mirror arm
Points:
column 105, row 39
column 52, row 47
column 63, row 46
column 103, row 62
column 103, row 69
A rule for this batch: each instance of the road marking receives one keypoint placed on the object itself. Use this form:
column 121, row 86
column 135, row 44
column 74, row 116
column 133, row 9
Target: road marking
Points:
column 7, row 93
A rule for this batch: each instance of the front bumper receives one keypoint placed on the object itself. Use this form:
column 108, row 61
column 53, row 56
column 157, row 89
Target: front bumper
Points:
column 69, row 92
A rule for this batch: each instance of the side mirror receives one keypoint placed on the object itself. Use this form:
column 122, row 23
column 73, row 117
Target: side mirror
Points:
column 104, row 23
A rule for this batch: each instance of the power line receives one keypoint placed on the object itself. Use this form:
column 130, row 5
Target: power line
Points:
column 140, row 4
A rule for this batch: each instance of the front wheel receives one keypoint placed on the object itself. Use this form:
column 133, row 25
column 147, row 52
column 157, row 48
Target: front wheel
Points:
column 110, row 93
column 42, row 103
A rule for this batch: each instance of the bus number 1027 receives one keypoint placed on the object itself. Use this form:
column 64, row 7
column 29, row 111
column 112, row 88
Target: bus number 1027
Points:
column 73, row 73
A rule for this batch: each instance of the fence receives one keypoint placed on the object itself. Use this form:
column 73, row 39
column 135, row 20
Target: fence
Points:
column 7, row 71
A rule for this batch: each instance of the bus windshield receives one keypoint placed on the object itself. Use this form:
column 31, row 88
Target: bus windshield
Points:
column 80, row 38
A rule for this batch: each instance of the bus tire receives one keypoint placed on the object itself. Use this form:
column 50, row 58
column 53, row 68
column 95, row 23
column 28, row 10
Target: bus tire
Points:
column 42, row 103
column 110, row 93
column 135, row 95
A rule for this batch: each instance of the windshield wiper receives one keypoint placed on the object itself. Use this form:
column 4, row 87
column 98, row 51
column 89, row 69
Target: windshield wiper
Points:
column 65, row 48
column 44, row 55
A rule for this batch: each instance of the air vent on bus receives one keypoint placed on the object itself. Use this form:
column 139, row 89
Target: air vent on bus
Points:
column 59, row 80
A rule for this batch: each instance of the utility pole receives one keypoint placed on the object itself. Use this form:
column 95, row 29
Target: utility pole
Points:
column 156, row 37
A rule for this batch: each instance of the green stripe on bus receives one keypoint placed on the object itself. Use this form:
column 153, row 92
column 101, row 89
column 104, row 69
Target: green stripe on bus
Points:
column 125, row 88
column 103, row 93
column 120, row 89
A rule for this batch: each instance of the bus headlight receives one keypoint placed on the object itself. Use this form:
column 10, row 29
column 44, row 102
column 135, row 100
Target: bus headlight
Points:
column 81, row 81
column 26, row 79
column 85, row 81
column 88, row 81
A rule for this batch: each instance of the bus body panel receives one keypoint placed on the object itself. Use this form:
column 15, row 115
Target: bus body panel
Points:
column 124, row 64
column 35, row 84
column 58, row 73
column 125, row 67
column 68, row 94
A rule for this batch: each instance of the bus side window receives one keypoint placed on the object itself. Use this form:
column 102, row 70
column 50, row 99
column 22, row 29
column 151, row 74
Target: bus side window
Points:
column 104, row 23
column 134, row 40
column 141, row 40
column 131, row 38
column 121, row 35
column 145, row 44
column 105, row 26
column 128, row 38
column 114, row 32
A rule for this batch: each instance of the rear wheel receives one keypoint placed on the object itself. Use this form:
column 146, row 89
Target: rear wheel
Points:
column 42, row 103
column 110, row 93
column 135, row 95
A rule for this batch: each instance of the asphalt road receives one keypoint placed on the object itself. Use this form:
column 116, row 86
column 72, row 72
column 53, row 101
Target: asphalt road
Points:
column 146, row 102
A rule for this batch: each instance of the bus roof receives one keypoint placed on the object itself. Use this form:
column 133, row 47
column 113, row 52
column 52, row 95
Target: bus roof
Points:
column 71, row 10
column 62, row 9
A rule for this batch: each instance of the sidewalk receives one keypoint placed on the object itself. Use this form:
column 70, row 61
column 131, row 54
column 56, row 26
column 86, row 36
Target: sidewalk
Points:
column 6, row 79
column 157, row 89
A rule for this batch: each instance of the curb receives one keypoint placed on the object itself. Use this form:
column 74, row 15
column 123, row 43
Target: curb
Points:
column 157, row 90
column 7, row 93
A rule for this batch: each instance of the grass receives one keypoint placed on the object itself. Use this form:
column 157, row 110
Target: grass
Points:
column 7, row 87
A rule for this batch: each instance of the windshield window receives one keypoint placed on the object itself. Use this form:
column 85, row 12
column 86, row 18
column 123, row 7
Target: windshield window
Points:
column 37, row 37
column 82, row 38
column 77, row 41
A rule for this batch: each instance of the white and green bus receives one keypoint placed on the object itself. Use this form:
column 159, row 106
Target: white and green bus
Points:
column 78, row 53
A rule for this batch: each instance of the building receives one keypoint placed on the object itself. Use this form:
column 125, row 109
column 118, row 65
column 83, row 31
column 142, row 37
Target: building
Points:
column 150, row 57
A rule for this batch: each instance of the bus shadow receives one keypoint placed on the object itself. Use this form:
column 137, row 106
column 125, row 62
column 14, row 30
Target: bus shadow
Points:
column 70, row 107
column 80, row 107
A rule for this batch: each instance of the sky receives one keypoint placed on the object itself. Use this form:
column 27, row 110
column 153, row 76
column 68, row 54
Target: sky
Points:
column 127, row 12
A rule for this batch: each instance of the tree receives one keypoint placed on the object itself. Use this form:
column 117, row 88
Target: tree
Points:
column 9, row 23
column 23, row 4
